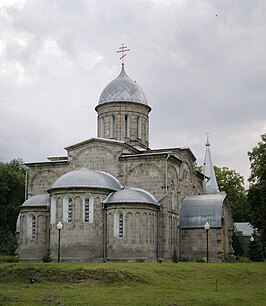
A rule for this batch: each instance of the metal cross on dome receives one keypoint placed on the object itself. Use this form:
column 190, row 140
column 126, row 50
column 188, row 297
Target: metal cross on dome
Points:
column 122, row 50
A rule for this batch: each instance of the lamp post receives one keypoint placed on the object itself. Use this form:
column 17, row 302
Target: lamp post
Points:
column 207, row 228
column 59, row 226
column 252, row 245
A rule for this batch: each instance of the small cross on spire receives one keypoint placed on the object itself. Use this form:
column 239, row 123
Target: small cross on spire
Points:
column 122, row 49
column 207, row 143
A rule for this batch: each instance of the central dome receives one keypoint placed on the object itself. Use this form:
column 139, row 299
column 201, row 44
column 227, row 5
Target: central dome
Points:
column 123, row 89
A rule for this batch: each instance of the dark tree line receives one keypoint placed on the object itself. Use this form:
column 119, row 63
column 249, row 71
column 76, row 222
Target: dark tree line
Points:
column 257, row 191
column 232, row 183
column 12, row 186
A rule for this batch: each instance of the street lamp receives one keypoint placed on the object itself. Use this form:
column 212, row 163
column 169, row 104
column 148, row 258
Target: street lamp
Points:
column 251, row 246
column 207, row 228
column 59, row 226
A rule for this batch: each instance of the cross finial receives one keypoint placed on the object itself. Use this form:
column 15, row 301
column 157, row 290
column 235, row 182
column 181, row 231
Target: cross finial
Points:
column 122, row 49
column 207, row 143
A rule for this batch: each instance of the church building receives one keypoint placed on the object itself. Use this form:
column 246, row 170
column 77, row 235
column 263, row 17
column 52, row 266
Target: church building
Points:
column 119, row 200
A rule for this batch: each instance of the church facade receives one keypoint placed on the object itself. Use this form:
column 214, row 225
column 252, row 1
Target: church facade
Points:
column 118, row 199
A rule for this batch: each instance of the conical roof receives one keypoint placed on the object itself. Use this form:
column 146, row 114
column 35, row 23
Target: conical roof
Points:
column 210, row 183
column 123, row 89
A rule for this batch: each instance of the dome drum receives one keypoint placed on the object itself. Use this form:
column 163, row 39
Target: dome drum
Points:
column 137, row 132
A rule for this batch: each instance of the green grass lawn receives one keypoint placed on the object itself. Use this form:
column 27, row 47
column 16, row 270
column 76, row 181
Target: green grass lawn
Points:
column 132, row 284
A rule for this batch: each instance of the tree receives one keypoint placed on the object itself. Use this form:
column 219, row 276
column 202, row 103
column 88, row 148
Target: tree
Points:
column 255, row 250
column 12, row 182
column 257, row 158
column 237, row 245
column 257, row 191
column 175, row 258
column 232, row 183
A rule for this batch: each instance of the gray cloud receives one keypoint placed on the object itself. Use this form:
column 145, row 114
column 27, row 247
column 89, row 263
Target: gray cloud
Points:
column 200, row 63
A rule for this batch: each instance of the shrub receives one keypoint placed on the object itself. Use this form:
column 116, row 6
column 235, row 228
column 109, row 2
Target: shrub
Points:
column 175, row 258
column 9, row 259
column 8, row 242
column 47, row 257
column 242, row 259
column 200, row 259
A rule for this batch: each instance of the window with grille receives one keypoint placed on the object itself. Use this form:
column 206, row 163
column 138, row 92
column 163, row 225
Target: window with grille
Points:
column 87, row 210
column 70, row 210
column 121, row 225
column 33, row 227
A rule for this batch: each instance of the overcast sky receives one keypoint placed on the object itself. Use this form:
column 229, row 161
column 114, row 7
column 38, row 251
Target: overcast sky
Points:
column 201, row 64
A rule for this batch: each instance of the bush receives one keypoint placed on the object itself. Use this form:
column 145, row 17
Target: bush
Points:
column 9, row 259
column 8, row 242
column 47, row 257
column 200, row 259
column 175, row 258
column 242, row 259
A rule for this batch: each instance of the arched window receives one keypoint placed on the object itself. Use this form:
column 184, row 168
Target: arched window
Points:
column 120, row 225
column 185, row 175
column 112, row 126
column 87, row 210
column 33, row 226
column 147, row 130
column 138, row 127
column 126, row 126
column 70, row 210
column 101, row 134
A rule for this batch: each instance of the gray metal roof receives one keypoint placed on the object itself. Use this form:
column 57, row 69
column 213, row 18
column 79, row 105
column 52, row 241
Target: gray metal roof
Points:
column 38, row 200
column 197, row 210
column 246, row 228
column 123, row 89
column 87, row 178
column 131, row 195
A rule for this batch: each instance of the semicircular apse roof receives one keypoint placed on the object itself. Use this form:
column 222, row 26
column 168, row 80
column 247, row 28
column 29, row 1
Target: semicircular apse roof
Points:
column 131, row 195
column 87, row 179
column 199, row 209
column 123, row 89
column 38, row 200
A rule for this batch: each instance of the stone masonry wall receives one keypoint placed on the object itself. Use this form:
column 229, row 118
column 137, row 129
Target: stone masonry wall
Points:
column 33, row 247
column 194, row 244
column 80, row 241
column 139, row 240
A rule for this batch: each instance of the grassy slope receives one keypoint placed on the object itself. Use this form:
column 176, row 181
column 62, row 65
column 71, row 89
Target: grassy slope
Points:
column 133, row 284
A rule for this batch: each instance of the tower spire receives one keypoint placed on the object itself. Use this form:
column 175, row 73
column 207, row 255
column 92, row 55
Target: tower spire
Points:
column 210, row 183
